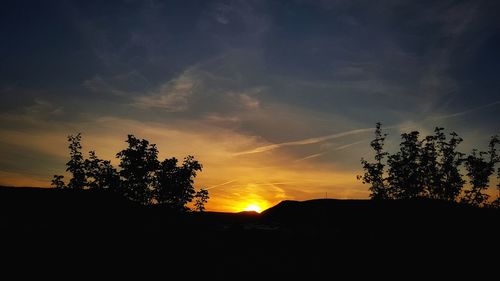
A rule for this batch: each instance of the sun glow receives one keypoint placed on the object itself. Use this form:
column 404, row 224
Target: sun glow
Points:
column 253, row 207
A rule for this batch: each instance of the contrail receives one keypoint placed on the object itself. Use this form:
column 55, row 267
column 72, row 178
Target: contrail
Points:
column 465, row 111
column 349, row 145
column 310, row 156
column 304, row 141
column 221, row 184
column 335, row 149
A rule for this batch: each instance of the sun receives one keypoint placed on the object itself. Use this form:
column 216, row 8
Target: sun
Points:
column 253, row 207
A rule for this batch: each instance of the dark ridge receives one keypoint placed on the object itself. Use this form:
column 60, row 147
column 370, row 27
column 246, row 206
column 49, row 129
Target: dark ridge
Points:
column 422, row 213
column 292, row 238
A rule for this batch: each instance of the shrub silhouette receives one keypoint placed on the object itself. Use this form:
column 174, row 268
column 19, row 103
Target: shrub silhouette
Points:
column 430, row 168
column 141, row 177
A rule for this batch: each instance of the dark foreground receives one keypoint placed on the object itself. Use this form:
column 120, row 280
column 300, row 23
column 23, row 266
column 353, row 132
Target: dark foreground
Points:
column 89, row 231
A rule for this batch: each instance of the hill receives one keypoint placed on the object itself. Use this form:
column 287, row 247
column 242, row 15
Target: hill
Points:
column 290, row 238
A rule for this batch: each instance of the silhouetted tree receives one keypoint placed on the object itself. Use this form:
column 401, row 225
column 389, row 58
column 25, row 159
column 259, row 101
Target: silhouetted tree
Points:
column 374, row 172
column 76, row 165
column 175, row 183
column 496, row 202
column 405, row 173
column 167, row 181
column 480, row 166
column 138, row 163
column 57, row 182
column 478, row 172
column 142, row 178
column 201, row 199
column 451, row 160
column 100, row 173
column 430, row 168
column 498, row 188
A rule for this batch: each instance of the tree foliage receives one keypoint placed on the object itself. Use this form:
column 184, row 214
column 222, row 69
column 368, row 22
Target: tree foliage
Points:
column 175, row 183
column 138, row 163
column 480, row 166
column 100, row 173
column 76, row 164
column 57, row 182
column 429, row 167
column 496, row 202
column 141, row 176
column 405, row 175
column 201, row 199
column 374, row 174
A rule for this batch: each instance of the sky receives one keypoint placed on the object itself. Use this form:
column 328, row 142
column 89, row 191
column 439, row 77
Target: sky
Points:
column 277, row 99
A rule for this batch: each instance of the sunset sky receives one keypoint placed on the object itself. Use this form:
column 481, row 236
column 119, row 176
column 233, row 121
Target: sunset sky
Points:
column 277, row 99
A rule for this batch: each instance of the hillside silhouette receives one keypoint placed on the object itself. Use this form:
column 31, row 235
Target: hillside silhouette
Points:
column 290, row 238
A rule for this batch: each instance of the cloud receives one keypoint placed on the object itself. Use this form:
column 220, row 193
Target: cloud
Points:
column 98, row 85
column 221, row 19
column 172, row 96
column 43, row 107
column 21, row 179
column 468, row 111
column 311, row 156
column 342, row 147
column 124, row 84
column 304, row 141
column 200, row 90
column 230, row 81
column 251, row 17
column 221, row 184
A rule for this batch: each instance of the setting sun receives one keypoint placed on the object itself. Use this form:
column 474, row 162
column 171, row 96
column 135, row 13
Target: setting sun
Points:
column 253, row 207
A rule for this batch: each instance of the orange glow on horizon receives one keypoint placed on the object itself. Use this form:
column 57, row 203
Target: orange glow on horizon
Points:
column 253, row 208
column 234, row 181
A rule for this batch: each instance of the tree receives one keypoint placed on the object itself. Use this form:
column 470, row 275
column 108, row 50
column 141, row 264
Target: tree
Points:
column 57, row 182
column 480, row 166
column 374, row 172
column 478, row 172
column 138, row 163
column 430, row 168
column 201, row 199
column 451, row 160
column 100, row 173
column 76, row 163
column 167, row 182
column 141, row 178
column 405, row 174
column 432, row 177
column 175, row 183
column 496, row 202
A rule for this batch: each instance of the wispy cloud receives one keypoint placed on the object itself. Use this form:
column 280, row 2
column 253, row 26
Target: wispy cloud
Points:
column 342, row 147
column 311, row 156
column 458, row 114
column 304, row 141
column 128, row 83
column 349, row 144
column 209, row 87
column 221, row 184
column 171, row 96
